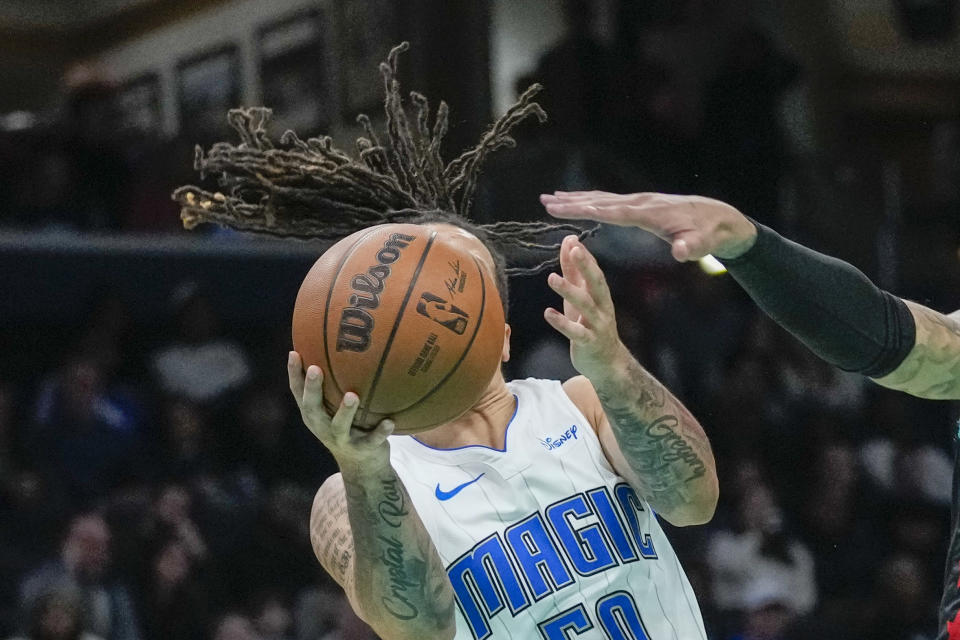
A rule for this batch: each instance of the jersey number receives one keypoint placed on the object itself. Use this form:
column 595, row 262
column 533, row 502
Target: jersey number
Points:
column 616, row 612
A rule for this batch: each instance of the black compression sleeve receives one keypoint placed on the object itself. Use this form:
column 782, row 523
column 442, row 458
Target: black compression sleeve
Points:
column 827, row 304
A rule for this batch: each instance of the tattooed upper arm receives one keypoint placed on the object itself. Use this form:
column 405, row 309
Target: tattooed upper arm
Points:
column 330, row 533
column 932, row 368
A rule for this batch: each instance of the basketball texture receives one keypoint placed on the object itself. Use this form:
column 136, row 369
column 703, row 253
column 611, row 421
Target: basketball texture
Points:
column 405, row 316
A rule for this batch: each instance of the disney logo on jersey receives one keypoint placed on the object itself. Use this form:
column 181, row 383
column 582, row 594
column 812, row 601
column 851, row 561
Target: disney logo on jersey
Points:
column 555, row 443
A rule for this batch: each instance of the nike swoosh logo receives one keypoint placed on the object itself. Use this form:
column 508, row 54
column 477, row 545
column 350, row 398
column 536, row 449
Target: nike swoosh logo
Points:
column 446, row 495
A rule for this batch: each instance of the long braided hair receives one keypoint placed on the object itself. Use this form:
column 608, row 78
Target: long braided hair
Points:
column 311, row 189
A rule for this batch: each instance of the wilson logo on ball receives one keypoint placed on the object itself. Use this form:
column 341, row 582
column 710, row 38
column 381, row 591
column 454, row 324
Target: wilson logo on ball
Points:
column 356, row 322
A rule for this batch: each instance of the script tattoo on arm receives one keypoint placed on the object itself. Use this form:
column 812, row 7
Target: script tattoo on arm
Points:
column 383, row 556
column 664, row 445
column 932, row 368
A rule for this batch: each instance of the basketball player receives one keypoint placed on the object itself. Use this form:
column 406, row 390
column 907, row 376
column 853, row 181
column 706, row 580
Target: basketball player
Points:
column 826, row 303
column 532, row 512
column 530, row 516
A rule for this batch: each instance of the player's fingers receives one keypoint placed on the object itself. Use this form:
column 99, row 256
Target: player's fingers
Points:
column 568, row 266
column 295, row 376
column 596, row 282
column 342, row 421
column 574, row 331
column 579, row 297
column 311, row 405
column 373, row 438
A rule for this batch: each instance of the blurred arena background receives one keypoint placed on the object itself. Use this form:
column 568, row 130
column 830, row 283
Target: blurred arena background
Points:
column 155, row 478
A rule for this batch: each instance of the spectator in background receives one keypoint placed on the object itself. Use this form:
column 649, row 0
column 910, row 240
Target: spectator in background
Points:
column 57, row 615
column 904, row 606
column 8, row 434
column 108, row 337
column 271, row 551
column 84, row 565
column 325, row 614
column 93, row 146
column 269, row 445
column 744, row 144
column 30, row 514
column 768, row 611
column 273, row 617
column 185, row 448
column 235, row 626
column 82, row 435
column 200, row 364
column 46, row 196
column 575, row 76
column 759, row 551
column 172, row 601
column 844, row 544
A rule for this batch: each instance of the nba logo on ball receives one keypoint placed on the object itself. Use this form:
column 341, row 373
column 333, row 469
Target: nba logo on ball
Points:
column 443, row 313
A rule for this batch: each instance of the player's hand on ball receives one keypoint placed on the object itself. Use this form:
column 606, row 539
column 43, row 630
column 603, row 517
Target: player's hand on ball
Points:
column 348, row 444
column 588, row 319
column 694, row 226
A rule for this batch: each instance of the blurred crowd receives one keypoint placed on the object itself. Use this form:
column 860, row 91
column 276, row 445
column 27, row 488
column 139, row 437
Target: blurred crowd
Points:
column 155, row 483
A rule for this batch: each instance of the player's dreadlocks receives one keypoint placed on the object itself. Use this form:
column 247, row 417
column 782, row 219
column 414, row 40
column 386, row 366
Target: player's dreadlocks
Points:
column 311, row 189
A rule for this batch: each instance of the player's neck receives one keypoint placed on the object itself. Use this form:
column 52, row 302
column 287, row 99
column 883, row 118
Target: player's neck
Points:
column 484, row 424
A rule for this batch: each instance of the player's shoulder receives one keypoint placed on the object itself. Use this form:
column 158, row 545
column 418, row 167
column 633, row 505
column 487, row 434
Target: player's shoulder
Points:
column 536, row 389
column 578, row 390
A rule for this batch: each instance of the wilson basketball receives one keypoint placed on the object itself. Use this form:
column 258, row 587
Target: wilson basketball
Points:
column 407, row 317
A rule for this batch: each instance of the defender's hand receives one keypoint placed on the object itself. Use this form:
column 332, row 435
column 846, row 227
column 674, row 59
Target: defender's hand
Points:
column 694, row 226
column 348, row 444
column 588, row 319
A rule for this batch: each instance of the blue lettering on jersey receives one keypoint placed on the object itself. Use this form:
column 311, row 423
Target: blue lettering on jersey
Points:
column 486, row 579
column 630, row 504
column 482, row 579
column 555, row 443
column 574, row 620
column 586, row 547
column 619, row 617
column 538, row 556
column 602, row 502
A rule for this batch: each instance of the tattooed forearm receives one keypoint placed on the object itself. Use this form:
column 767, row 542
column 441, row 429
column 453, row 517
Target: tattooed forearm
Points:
column 664, row 445
column 932, row 368
column 392, row 509
column 397, row 570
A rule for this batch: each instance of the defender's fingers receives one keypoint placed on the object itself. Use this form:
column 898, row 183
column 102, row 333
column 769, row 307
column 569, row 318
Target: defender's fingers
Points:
column 579, row 194
column 574, row 212
column 342, row 421
column 574, row 331
column 295, row 376
column 579, row 298
column 688, row 245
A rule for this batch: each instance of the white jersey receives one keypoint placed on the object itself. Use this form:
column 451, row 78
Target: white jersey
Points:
column 543, row 539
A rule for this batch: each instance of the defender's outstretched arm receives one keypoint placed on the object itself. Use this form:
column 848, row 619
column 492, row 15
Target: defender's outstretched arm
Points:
column 826, row 303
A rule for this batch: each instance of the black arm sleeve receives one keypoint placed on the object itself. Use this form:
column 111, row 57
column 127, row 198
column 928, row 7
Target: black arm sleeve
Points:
column 829, row 305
